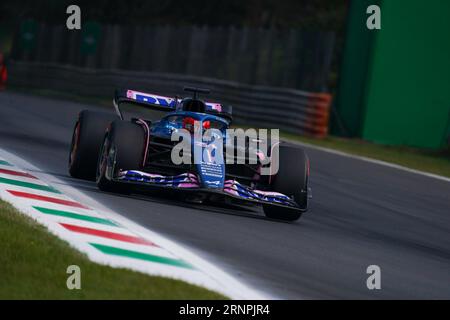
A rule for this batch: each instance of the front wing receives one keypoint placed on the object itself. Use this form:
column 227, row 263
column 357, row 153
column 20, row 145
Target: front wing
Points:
column 189, row 182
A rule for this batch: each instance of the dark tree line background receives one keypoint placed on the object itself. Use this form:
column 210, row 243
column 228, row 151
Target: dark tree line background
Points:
column 307, row 14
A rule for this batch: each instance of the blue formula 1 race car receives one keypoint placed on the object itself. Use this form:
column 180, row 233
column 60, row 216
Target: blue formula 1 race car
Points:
column 138, row 154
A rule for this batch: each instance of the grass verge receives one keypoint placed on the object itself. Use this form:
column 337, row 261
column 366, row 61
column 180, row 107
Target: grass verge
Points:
column 33, row 265
column 437, row 162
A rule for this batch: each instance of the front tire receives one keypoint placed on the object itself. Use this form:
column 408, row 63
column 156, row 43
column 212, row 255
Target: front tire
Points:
column 87, row 139
column 122, row 148
column 291, row 180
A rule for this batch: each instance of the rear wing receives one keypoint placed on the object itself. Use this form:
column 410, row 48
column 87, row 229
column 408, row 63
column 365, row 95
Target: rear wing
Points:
column 146, row 100
column 162, row 103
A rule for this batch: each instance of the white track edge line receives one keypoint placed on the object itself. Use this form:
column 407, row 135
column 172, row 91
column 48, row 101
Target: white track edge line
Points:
column 367, row 159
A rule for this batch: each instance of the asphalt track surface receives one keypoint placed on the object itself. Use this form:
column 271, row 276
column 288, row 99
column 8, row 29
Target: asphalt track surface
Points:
column 361, row 214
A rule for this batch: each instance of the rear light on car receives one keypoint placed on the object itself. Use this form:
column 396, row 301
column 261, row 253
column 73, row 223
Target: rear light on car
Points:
column 206, row 124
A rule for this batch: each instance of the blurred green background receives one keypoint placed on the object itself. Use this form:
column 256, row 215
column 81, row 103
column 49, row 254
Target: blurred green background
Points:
column 390, row 86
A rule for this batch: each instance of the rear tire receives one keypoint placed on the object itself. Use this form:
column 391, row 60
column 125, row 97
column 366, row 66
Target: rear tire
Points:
column 125, row 142
column 87, row 139
column 291, row 180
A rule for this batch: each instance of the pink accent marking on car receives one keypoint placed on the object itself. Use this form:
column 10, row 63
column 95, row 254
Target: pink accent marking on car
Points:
column 192, row 177
column 147, row 129
column 188, row 185
column 271, row 155
column 150, row 175
column 132, row 95
column 261, row 155
column 230, row 184
column 215, row 106
column 231, row 191
column 269, row 193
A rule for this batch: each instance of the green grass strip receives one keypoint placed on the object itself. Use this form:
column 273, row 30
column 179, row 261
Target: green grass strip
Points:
column 33, row 264
column 141, row 256
column 29, row 185
column 77, row 216
column 5, row 163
